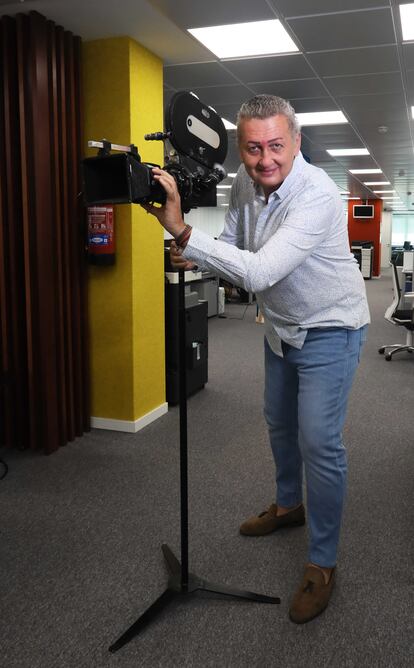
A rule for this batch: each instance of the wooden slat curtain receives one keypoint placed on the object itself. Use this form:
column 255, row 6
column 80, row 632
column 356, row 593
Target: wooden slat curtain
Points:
column 44, row 368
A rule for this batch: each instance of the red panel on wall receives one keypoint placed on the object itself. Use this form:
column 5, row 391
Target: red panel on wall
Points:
column 367, row 229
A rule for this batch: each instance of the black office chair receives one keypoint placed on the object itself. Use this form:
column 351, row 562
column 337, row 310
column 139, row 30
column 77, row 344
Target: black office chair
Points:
column 399, row 316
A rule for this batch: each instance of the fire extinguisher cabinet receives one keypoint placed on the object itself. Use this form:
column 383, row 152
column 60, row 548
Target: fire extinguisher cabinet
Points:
column 101, row 235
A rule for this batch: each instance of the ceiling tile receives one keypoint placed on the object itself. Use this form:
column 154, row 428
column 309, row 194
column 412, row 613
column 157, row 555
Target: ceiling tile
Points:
column 374, row 107
column 408, row 55
column 336, row 31
column 214, row 12
column 410, row 86
column 332, row 136
column 228, row 111
column 213, row 95
column 200, row 74
column 291, row 89
column 305, row 105
column 272, row 68
column 364, row 84
column 306, row 7
column 356, row 61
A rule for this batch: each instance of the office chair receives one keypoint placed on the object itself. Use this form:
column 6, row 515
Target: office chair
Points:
column 399, row 316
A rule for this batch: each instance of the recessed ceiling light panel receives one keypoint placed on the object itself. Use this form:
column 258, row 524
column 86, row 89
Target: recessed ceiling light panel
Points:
column 407, row 21
column 337, row 152
column 238, row 40
column 377, row 183
column 321, row 118
column 365, row 171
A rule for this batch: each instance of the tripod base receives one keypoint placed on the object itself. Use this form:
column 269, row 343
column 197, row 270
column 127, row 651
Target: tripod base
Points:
column 177, row 588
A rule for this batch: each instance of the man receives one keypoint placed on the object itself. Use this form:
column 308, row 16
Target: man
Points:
column 285, row 239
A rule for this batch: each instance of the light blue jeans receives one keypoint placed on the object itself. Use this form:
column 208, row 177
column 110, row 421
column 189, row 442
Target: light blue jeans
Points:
column 306, row 394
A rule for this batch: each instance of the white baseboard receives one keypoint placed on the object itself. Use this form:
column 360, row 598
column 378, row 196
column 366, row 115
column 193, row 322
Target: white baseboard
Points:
column 129, row 426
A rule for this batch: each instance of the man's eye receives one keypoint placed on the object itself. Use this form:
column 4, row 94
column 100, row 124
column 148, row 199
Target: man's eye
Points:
column 276, row 147
column 253, row 149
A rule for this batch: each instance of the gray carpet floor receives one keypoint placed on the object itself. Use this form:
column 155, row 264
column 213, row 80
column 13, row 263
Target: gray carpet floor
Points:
column 81, row 530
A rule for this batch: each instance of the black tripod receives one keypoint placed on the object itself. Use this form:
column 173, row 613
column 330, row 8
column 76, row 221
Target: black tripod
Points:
column 181, row 582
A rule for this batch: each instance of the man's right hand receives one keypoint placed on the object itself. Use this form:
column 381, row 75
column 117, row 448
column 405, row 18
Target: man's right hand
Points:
column 177, row 260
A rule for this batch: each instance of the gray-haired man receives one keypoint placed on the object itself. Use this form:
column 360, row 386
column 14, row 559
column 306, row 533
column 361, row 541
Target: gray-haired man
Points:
column 285, row 239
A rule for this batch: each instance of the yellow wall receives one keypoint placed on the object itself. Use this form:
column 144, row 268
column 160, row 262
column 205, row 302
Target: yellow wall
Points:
column 122, row 85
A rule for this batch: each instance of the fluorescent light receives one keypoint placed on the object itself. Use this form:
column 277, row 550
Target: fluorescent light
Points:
column 223, row 204
column 383, row 192
column 407, row 21
column 347, row 151
column 231, row 175
column 390, row 199
column 221, row 195
column 345, row 192
column 365, row 171
column 321, row 118
column 377, row 183
column 238, row 40
column 228, row 125
column 351, row 198
column 223, row 187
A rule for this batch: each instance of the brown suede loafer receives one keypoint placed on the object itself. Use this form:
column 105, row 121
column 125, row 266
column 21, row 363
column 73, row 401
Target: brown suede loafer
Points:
column 312, row 597
column 268, row 521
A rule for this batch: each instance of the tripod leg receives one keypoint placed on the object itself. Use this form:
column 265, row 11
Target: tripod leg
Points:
column 145, row 618
column 224, row 590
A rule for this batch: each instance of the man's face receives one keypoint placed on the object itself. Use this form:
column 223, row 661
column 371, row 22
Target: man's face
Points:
column 267, row 150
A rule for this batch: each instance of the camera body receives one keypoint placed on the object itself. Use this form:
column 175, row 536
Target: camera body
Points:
column 195, row 144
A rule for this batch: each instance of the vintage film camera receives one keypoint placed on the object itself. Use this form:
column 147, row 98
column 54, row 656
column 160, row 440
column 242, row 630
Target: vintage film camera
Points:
column 195, row 143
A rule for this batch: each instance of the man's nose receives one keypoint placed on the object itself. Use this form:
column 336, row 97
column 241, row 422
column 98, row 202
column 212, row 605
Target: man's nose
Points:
column 266, row 158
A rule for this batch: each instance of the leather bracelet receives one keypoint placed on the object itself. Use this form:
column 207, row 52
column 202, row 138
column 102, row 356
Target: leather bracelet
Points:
column 183, row 237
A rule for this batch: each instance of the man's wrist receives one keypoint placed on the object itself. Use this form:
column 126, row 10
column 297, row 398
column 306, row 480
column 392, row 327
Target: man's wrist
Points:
column 182, row 239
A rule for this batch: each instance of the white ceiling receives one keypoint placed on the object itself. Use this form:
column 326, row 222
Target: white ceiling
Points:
column 351, row 59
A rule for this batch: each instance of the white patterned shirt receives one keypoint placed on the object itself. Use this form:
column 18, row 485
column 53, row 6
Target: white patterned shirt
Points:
column 292, row 252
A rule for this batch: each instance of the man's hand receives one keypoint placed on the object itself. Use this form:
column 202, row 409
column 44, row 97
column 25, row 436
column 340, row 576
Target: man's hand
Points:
column 169, row 214
column 177, row 260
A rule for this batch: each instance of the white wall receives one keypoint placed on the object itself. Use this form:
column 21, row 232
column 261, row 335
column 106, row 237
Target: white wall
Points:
column 207, row 219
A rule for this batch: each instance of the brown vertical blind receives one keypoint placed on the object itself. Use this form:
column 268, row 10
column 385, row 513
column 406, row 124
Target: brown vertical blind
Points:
column 44, row 384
